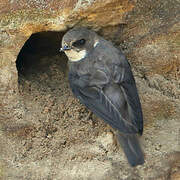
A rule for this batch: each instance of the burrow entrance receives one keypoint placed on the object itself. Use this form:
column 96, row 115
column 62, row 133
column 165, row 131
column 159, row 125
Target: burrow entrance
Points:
column 58, row 119
column 40, row 62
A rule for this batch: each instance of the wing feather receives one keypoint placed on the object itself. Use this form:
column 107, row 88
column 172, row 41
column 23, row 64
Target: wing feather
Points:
column 127, row 82
column 100, row 104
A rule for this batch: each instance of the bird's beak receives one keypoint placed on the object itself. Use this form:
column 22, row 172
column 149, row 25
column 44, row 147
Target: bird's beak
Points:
column 65, row 48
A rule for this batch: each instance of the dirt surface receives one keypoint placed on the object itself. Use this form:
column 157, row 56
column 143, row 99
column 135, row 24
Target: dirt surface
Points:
column 53, row 120
column 55, row 138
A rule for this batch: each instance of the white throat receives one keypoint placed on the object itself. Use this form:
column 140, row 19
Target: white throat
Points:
column 74, row 55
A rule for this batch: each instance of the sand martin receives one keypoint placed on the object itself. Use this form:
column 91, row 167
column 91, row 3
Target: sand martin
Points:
column 101, row 78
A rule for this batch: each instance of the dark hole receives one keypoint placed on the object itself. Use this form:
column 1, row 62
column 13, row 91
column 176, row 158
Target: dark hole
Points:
column 42, row 69
column 40, row 45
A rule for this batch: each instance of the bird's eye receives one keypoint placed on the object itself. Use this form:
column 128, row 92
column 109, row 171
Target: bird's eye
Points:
column 79, row 43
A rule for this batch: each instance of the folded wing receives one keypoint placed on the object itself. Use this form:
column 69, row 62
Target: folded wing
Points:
column 116, row 102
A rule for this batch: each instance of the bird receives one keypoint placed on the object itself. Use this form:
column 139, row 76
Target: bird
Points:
column 100, row 76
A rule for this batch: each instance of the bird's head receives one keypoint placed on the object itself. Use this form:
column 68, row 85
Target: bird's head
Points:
column 78, row 42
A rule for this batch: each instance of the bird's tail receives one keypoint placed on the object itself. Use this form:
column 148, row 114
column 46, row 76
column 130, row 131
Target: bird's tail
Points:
column 132, row 148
